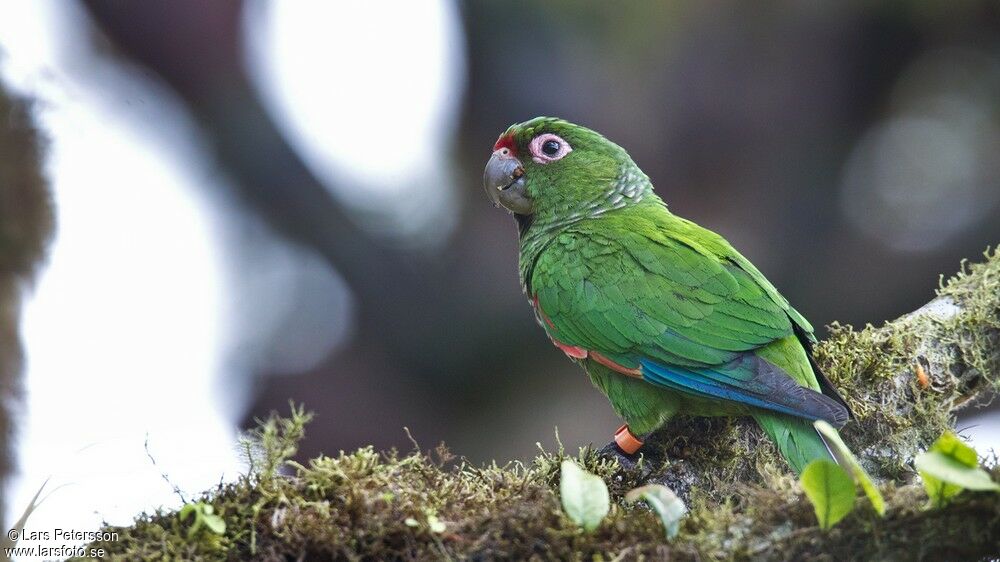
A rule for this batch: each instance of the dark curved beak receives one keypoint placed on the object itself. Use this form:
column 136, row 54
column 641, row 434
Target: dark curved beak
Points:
column 503, row 180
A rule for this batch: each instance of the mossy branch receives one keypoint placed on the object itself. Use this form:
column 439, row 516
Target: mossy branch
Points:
column 904, row 382
column 743, row 502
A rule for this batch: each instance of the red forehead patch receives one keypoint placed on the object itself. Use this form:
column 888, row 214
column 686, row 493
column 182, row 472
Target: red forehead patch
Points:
column 506, row 141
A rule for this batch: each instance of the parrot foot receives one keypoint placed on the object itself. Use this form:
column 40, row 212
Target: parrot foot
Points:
column 624, row 448
column 612, row 451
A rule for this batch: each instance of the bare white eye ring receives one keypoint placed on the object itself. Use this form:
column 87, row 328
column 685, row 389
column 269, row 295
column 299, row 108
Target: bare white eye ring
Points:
column 547, row 148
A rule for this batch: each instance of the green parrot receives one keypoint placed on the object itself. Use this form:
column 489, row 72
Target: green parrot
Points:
column 664, row 316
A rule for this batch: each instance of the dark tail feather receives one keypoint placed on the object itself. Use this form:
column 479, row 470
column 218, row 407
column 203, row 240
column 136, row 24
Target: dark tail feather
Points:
column 807, row 402
column 825, row 386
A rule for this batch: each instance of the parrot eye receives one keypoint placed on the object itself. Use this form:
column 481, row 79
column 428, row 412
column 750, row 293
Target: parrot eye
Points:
column 547, row 148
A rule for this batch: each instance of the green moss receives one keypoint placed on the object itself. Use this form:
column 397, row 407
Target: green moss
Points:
column 743, row 502
column 955, row 340
column 370, row 506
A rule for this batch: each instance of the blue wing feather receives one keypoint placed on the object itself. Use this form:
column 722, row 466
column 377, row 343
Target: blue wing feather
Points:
column 748, row 380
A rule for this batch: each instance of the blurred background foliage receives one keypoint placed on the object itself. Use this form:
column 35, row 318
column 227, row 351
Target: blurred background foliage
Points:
column 848, row 148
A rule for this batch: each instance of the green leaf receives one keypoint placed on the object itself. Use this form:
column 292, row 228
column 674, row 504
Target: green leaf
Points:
column 949, row 467
column 937, row 490
column 847, row 460
column 584, row 496
column 664, row 502
column 951, row 445
column 215, row 524
column 204, row 516
column 943, row 467
column 187, row 510
column 830, row 489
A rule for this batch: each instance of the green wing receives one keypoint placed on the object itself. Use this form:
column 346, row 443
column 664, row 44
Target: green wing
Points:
column 658, row 293
column 659, row 287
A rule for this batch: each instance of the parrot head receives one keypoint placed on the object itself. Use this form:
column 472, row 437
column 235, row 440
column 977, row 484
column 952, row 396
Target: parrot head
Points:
column 548, row 167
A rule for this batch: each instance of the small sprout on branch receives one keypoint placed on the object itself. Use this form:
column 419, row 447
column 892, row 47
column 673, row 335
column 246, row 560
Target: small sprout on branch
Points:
column 584, row 496
column 204, row 518
column 847, row 460
column 434, row 524
column 949, row 467
column 830, row 489
column 664, row 502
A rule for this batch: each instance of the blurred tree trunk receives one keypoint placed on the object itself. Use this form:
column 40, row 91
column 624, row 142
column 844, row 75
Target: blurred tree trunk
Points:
column 25, row 227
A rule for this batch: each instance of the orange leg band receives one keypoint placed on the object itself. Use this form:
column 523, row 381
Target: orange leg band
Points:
column 626, row 441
